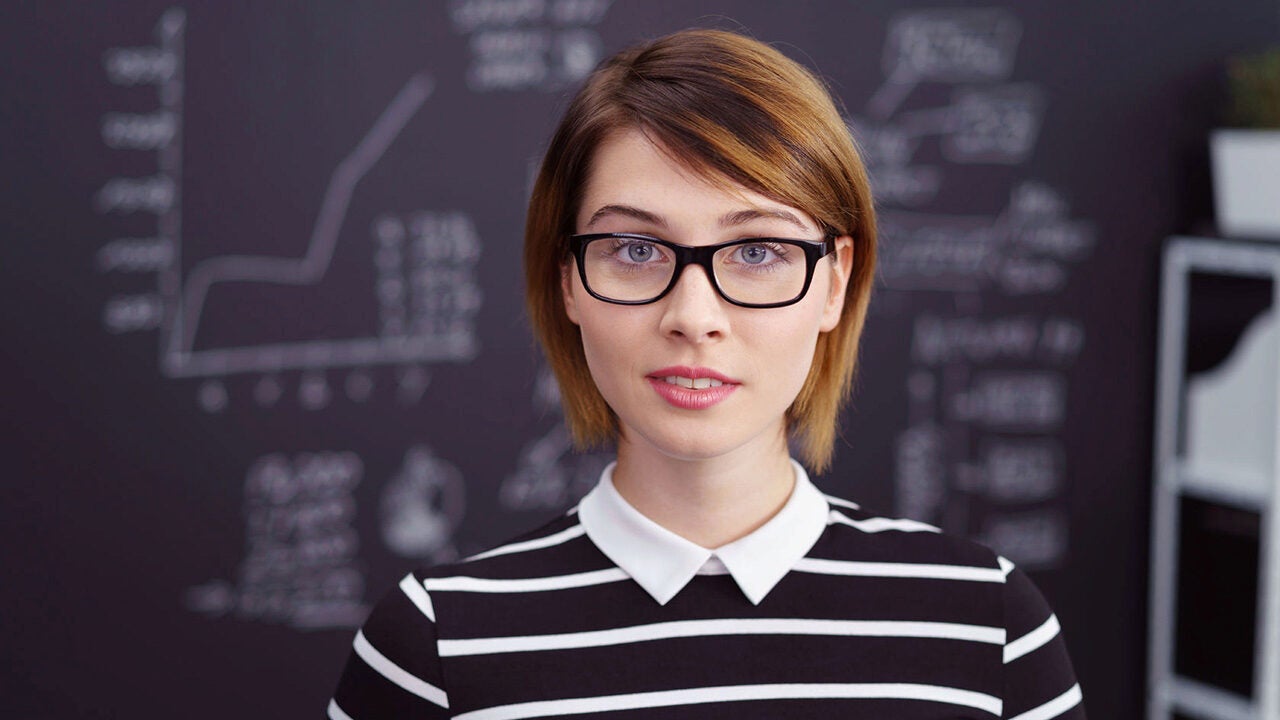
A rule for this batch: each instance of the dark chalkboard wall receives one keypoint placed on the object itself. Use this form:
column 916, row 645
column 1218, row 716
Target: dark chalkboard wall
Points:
column 264, row 347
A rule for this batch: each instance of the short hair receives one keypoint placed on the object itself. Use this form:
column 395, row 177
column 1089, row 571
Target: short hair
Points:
column 734, row 111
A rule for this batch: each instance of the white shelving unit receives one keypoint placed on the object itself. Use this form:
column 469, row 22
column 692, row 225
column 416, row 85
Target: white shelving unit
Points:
column 1217, row 445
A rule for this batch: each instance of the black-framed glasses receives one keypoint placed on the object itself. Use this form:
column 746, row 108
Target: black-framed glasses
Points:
column 633, row 269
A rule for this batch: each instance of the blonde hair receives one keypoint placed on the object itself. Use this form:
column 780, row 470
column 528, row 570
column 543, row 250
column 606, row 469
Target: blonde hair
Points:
column 735, row 111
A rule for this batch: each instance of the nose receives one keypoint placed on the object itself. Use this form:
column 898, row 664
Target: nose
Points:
column 693, row 310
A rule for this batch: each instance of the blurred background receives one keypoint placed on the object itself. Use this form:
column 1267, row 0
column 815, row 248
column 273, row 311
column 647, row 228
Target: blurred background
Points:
column 265, row 347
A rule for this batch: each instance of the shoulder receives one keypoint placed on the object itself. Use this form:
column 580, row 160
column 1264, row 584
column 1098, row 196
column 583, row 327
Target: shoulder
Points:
column 859, row 534
column 854, row 532
column 556, row 547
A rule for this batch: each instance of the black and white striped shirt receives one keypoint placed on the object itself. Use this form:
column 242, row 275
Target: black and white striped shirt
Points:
column 824, row 611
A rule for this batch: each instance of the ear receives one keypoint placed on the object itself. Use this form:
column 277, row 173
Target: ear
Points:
column 567, row 269
column 841, row 268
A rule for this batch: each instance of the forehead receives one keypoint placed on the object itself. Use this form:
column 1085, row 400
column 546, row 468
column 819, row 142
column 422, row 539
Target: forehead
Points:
column 632, row 171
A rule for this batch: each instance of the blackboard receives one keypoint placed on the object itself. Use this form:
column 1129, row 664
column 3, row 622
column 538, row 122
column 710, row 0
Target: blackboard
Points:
column 265, row 349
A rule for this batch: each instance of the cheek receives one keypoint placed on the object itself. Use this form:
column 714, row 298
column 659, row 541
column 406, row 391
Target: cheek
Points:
column 797, row 357
column 599, row 359
column 608, row 341
column 780, row 349
column 790, row 350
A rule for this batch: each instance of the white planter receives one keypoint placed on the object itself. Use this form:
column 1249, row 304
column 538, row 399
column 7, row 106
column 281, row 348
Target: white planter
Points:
column 1246, row 182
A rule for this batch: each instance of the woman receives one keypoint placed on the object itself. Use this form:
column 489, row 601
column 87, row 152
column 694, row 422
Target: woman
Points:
column 705, row 575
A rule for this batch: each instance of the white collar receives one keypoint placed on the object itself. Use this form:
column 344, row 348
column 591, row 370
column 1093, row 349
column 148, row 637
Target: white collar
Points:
column 662, row 562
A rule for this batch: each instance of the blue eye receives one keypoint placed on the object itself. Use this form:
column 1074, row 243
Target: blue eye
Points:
column 754, row 254
column 639, row 252
column 760, row 254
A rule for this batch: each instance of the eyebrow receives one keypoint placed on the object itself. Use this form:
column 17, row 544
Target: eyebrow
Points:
column 628, row 211
column 742, row 217
column 732, row 219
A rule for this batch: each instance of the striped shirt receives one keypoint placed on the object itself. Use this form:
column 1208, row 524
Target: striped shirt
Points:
column 824, row 611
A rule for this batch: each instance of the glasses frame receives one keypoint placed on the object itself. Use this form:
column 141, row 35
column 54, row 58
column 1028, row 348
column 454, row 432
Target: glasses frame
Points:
column 702, row 255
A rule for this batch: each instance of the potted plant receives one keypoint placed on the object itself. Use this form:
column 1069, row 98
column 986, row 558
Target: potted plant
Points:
column 1246, row 157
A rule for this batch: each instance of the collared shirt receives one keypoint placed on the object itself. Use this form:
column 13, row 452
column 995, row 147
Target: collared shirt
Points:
column 662, row 562
column 876, row 617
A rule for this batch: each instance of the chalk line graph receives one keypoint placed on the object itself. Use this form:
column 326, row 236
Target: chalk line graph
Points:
column 181, row 359
column 409, row 288
column 311, row 267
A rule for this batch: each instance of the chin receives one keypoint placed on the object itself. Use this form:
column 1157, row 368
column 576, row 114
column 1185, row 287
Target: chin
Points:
column 687, row 444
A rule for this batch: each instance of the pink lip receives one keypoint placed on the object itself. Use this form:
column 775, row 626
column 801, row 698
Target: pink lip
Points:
column 689, row 398
column 692, row 373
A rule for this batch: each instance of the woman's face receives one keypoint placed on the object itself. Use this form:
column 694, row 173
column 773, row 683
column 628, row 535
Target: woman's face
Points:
column 642, row 356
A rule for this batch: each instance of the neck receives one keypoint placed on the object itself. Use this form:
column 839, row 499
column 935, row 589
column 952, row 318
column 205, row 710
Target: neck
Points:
column 710, row 502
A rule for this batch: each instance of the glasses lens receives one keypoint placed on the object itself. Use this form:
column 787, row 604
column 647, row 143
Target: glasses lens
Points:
column 761, row 272
column 627, row 269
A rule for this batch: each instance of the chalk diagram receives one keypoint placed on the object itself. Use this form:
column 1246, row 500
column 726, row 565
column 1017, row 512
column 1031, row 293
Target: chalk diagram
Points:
column 301, row 566
column 1026, row 248
column 426, row 291
column 986, row 390
column 422, row 506
column 517, row 45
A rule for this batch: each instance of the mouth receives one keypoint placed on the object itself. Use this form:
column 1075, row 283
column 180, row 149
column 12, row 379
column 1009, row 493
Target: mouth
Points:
column 693, row 378
column 692, row 388
column 691, row 383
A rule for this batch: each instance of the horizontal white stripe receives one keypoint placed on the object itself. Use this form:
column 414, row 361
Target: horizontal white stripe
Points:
column 397, row 674
column 1006, row 565
column 880, row 524
column 461, row 583
column 744, row 626
column 418, row 594
column 336, row 713
column 842, row 502
column 731, row 693
column 1032, row 640
column 535, row 544
column 904, row 570
column 1054, row 707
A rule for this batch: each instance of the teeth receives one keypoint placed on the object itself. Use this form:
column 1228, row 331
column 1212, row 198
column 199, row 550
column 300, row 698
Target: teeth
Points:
column 699, row 384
